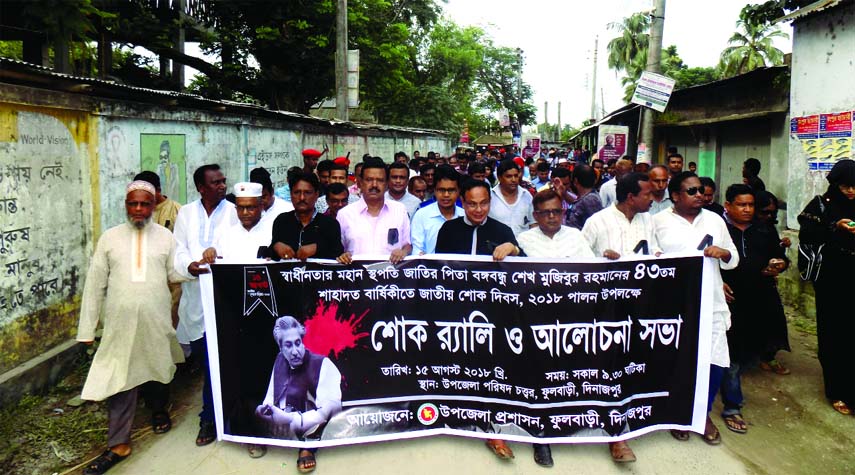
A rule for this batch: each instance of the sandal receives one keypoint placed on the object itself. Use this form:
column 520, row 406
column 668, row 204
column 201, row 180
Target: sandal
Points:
column 256, row 451
column 160, row 422
column 774, row 366
column 306, row 461
column 207, row 433
column 841, row 407
column 735, row 423
column 711, row 434
column 500, row 448
column 681, row 435
column 103, row 463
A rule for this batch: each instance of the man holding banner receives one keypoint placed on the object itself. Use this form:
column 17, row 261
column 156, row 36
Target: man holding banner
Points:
column 686, row 227
column 544, row 351
column 374, row 225
column 477, row 233
column 619, row 229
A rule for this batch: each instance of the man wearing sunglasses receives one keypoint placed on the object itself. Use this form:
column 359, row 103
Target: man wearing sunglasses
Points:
column 684, row 228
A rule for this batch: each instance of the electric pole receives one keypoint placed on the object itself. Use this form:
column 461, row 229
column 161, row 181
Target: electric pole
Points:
column 341, row 111
column 546, row 116
column 594, row 82
column 558, row 133
column 654, row 54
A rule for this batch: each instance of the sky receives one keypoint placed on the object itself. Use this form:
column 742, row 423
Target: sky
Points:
column 557, row 39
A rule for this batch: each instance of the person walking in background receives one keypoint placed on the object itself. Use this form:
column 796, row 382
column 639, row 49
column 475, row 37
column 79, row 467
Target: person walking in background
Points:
column 759, row 325
column 751, row 174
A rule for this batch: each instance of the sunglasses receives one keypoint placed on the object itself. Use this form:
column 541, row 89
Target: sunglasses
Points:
column 549, row 212
column 694, row 190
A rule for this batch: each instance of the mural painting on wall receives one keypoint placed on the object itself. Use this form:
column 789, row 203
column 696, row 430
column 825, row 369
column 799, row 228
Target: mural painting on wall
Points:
column 165, row 155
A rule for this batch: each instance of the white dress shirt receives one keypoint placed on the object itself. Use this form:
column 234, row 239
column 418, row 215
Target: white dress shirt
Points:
column 657, row 206
column 279, row 206
column 518, row 216
column 195, row 231
column 609, row 229
column 608, row 193
column 425, row 228
column 409, row 201
column 567, row 242
column 236, row 244
column 676, row 234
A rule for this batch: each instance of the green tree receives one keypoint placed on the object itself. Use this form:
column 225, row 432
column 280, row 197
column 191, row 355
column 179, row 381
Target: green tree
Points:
column 631, row 42
column 416, row 69
column 498, row 80
column 751, row 46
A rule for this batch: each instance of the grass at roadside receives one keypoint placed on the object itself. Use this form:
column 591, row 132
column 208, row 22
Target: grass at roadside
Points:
column 44, row 434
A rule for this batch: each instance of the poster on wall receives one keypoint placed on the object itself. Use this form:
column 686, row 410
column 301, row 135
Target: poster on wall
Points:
column 165, row 155
column 321, row 354
column 825, row 138
column 612, row 141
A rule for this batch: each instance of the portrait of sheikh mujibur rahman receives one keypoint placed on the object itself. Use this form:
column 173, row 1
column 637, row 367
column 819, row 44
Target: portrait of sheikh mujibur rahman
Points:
column 304, row 390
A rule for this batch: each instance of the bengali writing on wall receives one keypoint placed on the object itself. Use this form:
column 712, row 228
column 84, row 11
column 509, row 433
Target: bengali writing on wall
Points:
column 25, row 278
column 562, row 351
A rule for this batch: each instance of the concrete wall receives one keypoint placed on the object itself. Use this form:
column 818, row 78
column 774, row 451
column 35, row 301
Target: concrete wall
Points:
column 45, row 225
column 822, row 72
column 65, row 160
column 733, row 142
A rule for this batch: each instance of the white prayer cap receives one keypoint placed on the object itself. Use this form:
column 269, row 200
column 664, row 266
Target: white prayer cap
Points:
column 247, row 189
column 140, row 185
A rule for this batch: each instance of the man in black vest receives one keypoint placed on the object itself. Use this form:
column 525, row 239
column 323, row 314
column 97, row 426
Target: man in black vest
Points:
column 476, row 233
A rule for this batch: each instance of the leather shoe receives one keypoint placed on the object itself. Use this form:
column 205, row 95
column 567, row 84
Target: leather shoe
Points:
column 542, row 455
column 621, row 453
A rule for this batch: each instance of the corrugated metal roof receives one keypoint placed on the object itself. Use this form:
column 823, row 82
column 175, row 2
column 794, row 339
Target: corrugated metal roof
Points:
column 805, row 11
column 611, row 116
column 10, row 66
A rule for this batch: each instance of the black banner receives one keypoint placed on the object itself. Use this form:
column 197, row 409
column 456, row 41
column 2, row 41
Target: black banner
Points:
column 521, row 350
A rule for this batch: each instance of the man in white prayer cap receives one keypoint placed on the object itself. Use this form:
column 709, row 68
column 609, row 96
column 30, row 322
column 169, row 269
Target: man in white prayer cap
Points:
column 247, row 240
column 127, row 290
column 244, row 242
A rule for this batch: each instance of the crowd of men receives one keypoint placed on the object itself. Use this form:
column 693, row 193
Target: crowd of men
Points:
column 492, row 202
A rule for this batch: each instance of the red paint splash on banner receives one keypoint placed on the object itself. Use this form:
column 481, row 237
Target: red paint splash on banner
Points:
column 327, row 332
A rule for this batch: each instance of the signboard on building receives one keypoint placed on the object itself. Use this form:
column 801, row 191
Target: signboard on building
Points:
column 825, row 138
column 611, row 140
column 653, row 91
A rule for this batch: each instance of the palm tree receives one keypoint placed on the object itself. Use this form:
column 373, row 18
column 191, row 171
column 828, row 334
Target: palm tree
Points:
column 751, row 48
column 632, row 41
